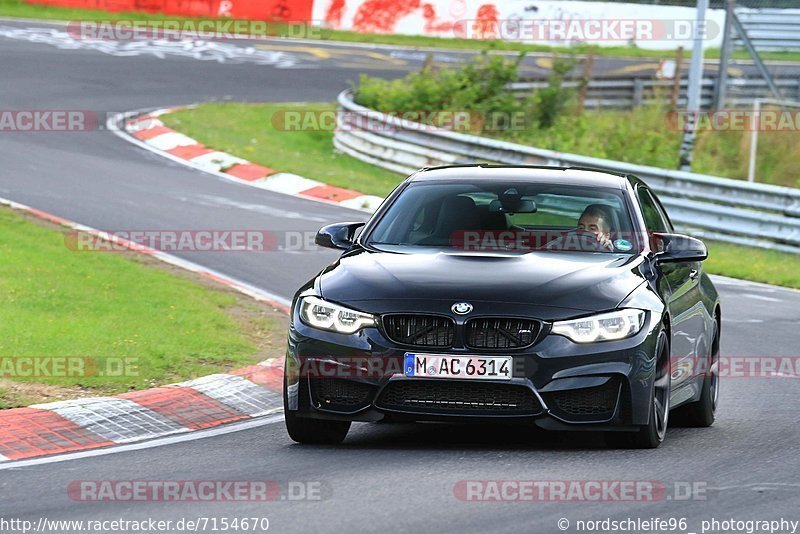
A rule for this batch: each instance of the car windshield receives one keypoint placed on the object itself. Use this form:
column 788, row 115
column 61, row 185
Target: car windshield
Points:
column 506, row 216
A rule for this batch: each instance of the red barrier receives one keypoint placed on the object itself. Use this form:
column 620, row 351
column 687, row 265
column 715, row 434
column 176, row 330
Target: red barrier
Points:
column 273, row 10
column 269, row 10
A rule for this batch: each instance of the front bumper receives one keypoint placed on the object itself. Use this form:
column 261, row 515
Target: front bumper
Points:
column 556, row 384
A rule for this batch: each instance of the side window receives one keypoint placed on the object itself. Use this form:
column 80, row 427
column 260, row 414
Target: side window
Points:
column 653, row 218
column 663, row 212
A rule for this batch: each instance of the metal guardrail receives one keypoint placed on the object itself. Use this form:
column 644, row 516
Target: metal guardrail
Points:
column 771, row 29
column 736, row 211
column 627, row 93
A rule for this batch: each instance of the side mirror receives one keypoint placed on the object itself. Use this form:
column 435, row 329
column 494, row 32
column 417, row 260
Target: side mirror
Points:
column 339, row 235
column 673, row 248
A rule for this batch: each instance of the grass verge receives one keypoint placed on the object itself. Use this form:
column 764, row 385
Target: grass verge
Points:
column 137, row 321
column 246, row 130
column 19, row 9
column 645, row 136
column 759, row 265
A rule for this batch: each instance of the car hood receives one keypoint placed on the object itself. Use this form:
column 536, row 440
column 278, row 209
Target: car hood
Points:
column 577, row 281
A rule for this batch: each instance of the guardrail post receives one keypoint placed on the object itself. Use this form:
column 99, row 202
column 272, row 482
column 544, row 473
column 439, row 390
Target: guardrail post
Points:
column 694, row 87
column 588, row 64
column 676, row 81
column 638, row 92
column 751, row 165
column 720, row 91
column 427, row 65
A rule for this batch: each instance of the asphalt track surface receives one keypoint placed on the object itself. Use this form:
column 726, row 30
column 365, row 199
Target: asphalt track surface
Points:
column 384, row 477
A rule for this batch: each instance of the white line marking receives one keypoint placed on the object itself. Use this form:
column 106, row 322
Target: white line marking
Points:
column 159, row 112
column 170, row 140
column 160, row 442
column 364, row 202
column 145, row 124
column 288, row 183
column 726, row 280
column 759, row 297
column 214, row 161
column 197, row 49
column 759, row 486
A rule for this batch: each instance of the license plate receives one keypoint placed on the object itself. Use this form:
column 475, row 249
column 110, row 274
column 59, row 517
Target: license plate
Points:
column 448, row 366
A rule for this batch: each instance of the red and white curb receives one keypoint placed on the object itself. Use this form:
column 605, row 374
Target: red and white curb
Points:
column 92, row 423
column 83, row 424
column 148, row 131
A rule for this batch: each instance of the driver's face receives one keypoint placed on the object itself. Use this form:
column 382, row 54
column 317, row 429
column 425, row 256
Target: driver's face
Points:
column 595, row 225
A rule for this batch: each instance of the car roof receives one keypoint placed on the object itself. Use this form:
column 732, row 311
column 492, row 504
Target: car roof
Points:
column 522, row 173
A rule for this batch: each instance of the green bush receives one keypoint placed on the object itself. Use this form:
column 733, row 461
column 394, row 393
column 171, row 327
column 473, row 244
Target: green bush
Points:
column 548, row 104
column 479, row 87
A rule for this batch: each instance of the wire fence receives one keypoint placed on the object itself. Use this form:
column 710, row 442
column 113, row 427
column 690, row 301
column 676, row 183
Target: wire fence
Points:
column 714, row 4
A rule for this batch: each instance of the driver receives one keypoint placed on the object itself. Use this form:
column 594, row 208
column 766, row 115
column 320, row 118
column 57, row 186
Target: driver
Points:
column 597, row 221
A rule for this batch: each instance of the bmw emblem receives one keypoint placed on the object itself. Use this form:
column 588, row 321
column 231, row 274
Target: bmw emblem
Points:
column 462, row 308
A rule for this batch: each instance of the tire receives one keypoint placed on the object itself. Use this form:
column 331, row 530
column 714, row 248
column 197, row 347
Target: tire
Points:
column 702, row 413
column 312, row 431
column 651, row 435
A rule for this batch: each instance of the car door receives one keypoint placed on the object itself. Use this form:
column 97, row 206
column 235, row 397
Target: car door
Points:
column 679, row 283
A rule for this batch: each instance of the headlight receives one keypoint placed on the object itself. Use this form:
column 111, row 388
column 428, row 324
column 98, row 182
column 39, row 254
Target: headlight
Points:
column 328, row 316
column 604, row 327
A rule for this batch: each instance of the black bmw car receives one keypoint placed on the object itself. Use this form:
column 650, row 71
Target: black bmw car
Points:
column 560, row 297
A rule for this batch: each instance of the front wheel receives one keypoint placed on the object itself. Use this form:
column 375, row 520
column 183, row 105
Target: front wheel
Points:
column 315, row 431
column 312, row 431
column 702, row 413
column 651, row 435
